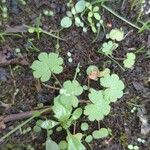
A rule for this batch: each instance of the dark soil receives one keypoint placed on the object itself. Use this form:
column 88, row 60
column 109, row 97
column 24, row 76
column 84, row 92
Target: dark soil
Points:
column 126, row 127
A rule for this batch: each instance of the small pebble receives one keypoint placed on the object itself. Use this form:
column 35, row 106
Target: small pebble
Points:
column 69, row 54
column 70, row 60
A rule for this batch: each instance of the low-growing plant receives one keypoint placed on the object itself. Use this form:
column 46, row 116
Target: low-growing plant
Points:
column 130, row 60
column 73, row 14
column 66, row 106
column 93, row 17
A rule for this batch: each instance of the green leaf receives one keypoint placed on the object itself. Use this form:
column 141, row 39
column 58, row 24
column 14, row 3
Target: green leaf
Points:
column 77, row 114
column 96, row 8
column 116, row 34
column 101, row 133
column 68, row 93
column 99, row 107
column 62, row 112
column 108, row 47
column 130, row 60
column 80, row 6
column 46, row 65
column 51, row 145
column 97, row 16
column 63, row 145
column 90, row 14
column 114, row 87
column 89, row 139
column 92, row 68
column 84, row 126
column 48, row 124
column 74, row 143
column 66, row 22
column 93, row 29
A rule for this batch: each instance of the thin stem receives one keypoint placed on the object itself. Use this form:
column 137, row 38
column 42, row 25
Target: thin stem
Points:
column 77, row 71
column 57, row 80
column 74, row 129
column 118, row 16
column 134, row 104
column 53, row 35
column 115, row 62
column 51, row 87
column 22, row 124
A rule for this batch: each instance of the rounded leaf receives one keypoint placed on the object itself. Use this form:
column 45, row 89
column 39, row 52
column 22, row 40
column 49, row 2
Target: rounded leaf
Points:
column 89, row 139
column 80, row 6
column 66, row 22
column 101, row 133
column 84, row 126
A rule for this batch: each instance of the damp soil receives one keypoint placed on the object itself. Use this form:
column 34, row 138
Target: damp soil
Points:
column 125, row 126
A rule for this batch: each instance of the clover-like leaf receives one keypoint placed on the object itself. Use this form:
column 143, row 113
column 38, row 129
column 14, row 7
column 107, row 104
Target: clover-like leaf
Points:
column 116, row 34
column 74, row 142
column 69, row 93
column 99, row 107
column 62, row 112
column 114, row 87
column 46, row 65
column 130, row 60
column 108, row 47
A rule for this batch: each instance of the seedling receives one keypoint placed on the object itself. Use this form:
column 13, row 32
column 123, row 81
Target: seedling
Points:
column 94, row 17
column 108, row 47
column 79, row 7
column 116, row 34
column 130, row 60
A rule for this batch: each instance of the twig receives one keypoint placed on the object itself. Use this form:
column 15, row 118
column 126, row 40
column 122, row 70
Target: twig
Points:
column 36, row 114
column 50, row 87
column 18, row 116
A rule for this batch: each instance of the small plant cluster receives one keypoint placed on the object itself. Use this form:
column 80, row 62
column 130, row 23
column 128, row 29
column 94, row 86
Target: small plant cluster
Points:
column 66, row 106
column 116, row 35
column 83, row 14
column 4, row 9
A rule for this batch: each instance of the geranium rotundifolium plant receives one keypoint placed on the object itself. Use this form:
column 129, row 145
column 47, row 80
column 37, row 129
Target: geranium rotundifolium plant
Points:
column 66, row 108
column 108, row 47
column 114, row 87
column 98, row 108
column 69, row 93
column 46, row 65
column 116, row 34
column 130, row 60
